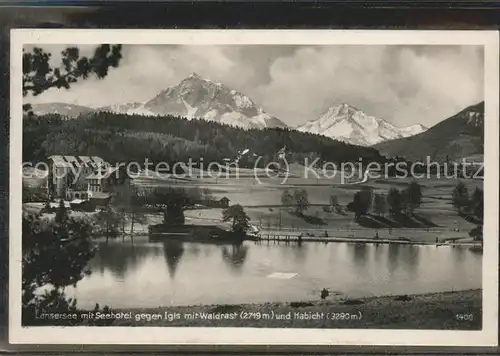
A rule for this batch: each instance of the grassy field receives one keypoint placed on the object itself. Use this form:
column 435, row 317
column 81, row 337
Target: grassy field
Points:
column 435, row 311
column 436, row 217
column 261, row 198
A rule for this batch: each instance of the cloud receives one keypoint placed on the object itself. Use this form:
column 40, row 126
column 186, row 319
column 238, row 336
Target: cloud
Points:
column 146, row 70
column 403, row 84
column 400, row 84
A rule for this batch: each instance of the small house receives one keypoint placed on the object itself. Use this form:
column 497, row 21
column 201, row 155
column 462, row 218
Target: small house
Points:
column 82, row 205
column 104, row 180
column 99, row 199
column 224, row 202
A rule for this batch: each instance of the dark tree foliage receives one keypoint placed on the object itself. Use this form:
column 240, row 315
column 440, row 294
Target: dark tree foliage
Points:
column 129, row 201
column 413, row 196
column 158, row 198
column 477, row 233
column 55, row 255
column 477, row 203
column 240, row 221
column 301, row 200
column 126, row 138
column 109, row 220
column 334, row 201
column 61, row 213
column 171, row 201
column 39, row 75
column 32, row 194
column 394, row 201
column 379, row 204
column 361, row 203
column 174, row 214
column 286, row 198
column 460, row 196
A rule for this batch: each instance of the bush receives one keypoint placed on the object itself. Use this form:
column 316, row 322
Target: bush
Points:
column 55, row 255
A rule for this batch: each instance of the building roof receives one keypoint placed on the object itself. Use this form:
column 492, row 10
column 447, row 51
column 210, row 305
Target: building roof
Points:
column 86, row 159
column 99, row 161
column 72, row 160
column 105, row 173
column 78, row 161
column 99, row 195
column 59, row 161
column 56, row 204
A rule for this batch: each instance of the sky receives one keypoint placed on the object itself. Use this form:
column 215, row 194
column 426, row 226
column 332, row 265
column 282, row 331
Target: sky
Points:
column 404, row 85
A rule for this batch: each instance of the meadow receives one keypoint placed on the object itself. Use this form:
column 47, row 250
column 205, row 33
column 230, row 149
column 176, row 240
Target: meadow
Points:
column 260, row 194
column 261, row 198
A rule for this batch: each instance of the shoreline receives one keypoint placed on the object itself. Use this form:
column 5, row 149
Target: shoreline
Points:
column 316, row 239
column 361, row 240
column 452, row 310
column 358, row 235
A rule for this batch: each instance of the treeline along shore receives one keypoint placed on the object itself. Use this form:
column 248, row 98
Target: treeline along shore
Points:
column 170, row 139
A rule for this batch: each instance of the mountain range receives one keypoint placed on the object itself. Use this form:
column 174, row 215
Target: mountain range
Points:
column 193, row 97
column 201, row 98
column 460, row 136
column 346, row 123
column 63, row 109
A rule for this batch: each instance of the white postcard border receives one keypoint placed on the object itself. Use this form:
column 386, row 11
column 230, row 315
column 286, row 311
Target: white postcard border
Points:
column 259, row 336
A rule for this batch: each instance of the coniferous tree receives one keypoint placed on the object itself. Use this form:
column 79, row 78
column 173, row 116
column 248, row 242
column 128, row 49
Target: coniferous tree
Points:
column 394, row 201
column 240, row 222
column 414, row 196
column 362, row 202
column 477, row 203
column 301, row 200
column 173, row 214
column 286, row 198
column 109, row 220
column 460, row 196
column 125, row 138
column 55, row 254
column 379, row 204
column 39, row 75
column 61, row 213
column 334, row 201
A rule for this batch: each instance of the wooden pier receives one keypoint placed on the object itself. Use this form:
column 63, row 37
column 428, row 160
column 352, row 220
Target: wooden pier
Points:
column 300, row 239
column 293, row 238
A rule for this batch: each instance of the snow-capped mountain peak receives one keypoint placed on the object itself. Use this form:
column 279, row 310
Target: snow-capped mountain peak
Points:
column 133, row 108
column 413, row 130
column 198, row 97
column 475, row 118
column 347, row 123
column 193, row 97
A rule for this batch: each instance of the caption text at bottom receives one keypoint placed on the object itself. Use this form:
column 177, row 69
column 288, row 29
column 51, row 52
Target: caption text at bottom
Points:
column 174, row 316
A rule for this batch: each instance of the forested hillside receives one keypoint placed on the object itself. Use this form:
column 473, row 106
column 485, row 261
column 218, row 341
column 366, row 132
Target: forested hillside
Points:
column 457, row 137
column 126, row 138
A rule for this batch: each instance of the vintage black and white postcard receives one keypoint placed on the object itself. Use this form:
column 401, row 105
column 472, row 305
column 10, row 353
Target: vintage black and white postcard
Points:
column 282, row 187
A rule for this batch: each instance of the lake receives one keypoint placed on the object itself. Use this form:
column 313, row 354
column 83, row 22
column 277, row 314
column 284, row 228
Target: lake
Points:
column 147, row 274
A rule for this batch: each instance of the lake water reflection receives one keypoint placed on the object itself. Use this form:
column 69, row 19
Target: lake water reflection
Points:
column 145, row 274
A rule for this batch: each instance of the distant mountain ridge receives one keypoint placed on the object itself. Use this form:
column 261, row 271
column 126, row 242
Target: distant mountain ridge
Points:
column 194, row 97
column 197, row 97
column 63, row 109
column 201, row 98
column 461, row 135
column 133, row 108
column 346, row 123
